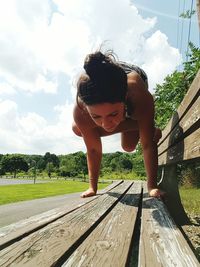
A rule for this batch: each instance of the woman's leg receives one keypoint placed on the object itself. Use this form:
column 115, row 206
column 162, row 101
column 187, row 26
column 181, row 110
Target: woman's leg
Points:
column 75, row 129
column 129, row 140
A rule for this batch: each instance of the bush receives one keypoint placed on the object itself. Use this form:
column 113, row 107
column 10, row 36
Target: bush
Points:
column 125, row 175
column 190, row 178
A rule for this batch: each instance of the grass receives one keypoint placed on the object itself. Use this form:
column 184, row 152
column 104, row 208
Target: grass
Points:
column 191, row 200
column 21, row 192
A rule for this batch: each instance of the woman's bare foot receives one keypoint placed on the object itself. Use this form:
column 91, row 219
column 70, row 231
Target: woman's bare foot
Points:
column 88, row 193
column 155, row 192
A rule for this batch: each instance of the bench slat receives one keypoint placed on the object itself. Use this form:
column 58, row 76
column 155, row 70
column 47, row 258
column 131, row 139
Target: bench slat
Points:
column 22, row 228
column 185, row 150
column 47, row 245
column 183, row 108
column 185, row 127
column 109, row 243
column 161, row 242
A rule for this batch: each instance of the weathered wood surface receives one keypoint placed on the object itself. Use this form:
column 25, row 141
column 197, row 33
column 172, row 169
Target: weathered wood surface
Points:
column 169, row 184
column 108, row 245
column 180, row 139
column 18, row 230
column 47, row 245
column 191, row 96
column 187, row 149
column 161, row 242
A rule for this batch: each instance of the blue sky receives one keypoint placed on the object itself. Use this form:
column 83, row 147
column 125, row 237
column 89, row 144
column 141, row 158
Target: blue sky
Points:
column 168, row 22
column 42, row 48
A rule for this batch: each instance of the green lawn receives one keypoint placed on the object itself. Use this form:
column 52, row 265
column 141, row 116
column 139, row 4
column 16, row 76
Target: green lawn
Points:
column 14, row 193
column 191, row 200
column 21, row 192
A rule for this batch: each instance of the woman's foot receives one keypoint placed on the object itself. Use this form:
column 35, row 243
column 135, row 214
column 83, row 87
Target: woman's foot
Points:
column 88, row 193
column 155, row 192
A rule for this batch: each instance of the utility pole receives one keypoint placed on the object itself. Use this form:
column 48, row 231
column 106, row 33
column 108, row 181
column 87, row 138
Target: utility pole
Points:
column 198, row 11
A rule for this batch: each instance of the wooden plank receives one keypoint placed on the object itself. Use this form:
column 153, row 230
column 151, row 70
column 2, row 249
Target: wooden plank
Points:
column 184, row 150
column 109, row 243
column 161, row 242
column 188, row 99
column 22, row 228
column 169, row 184
column 47, row 245
column 185, row 127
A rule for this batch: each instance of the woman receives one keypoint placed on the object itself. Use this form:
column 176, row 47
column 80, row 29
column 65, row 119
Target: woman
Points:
column 113, row 97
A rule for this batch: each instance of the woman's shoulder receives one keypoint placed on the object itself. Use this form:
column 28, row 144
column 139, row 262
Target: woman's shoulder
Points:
column 136, row 86
column 82, row 117
column 131, row 68
column 138, row 96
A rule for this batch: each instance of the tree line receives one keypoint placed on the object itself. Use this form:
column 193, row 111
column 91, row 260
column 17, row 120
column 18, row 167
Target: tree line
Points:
column 70, row 165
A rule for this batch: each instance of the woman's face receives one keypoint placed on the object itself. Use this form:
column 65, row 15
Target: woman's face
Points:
column 107, row 115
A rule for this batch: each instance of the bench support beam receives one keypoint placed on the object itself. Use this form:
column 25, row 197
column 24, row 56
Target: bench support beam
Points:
column 169, row 184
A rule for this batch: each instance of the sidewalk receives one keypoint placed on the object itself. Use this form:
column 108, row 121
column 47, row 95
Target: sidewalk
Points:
column 4, row 181
column 14, row 212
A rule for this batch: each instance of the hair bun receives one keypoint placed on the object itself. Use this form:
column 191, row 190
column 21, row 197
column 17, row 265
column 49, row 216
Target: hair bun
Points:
column 95, row 64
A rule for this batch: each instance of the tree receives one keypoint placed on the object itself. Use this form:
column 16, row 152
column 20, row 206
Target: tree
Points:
column 49, row 168
column 138, row 161
column 126, row 164
column 41, row 164
column 14, row 163
column 80, row 163
column 169, row 95
column 48, row 157
column 67, row 166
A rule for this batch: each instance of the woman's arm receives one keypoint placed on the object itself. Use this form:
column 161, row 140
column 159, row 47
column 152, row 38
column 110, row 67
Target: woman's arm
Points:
column 94, row 155
column 92, row 140
column 144, row 112
column 149, row 144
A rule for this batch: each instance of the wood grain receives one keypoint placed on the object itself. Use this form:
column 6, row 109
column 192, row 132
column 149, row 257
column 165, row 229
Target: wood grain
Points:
column 180, row 139
column 182, row 151
column 109, row 243
column 161, row 242
column 184, row 127
column 22, row 228
column 192, row 93
column 47, row 245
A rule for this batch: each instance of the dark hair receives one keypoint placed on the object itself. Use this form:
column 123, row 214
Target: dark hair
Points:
column 104, row 82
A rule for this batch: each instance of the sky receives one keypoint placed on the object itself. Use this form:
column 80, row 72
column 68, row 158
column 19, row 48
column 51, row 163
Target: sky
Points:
column 42, row 48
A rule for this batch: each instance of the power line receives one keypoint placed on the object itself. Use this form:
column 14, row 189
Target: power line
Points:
column 182, row 28
column 189, row 30
column 177, row 39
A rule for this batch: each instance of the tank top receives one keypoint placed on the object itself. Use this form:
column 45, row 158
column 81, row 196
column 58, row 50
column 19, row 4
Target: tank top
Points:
column 130, row 67
column 129, row 109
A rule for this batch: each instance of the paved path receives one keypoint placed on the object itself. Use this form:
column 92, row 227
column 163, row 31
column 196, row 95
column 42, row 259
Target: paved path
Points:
column 4, row 181
column 14, row 212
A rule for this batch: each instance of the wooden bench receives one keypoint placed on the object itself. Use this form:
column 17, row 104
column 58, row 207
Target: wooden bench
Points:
column 122, row 226
column 180, row 144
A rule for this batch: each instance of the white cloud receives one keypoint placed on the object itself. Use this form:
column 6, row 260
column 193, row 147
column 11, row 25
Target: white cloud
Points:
column 31, row 133
column 160, row 58
column 20, row 65
column 8, row 120
column 37, row 44
column 6, row 89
